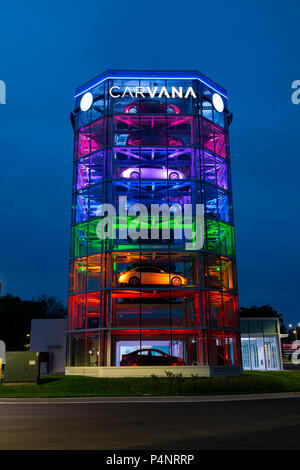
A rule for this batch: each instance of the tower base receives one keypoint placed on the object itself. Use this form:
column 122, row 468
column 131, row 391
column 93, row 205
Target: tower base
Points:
column 160, row 371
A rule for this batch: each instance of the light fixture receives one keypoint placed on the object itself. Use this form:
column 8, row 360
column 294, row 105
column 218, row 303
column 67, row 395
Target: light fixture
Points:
column 87, row 101
column 218, row 102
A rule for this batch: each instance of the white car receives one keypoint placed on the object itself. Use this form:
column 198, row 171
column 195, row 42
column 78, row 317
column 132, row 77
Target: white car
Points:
column 152, row 172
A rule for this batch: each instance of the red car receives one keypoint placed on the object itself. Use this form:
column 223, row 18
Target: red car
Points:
column 150, row 357
column 153, row 138
column 151, row 106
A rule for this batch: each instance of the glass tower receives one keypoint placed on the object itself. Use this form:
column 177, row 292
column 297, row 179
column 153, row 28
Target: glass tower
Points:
column 152, row 138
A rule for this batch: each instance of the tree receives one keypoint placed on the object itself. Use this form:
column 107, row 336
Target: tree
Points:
column 16, row 316
column 263, row 311
column 50, row 307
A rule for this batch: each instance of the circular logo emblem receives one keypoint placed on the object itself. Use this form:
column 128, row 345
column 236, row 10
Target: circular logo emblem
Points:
column 86, row 101
column 218, row 102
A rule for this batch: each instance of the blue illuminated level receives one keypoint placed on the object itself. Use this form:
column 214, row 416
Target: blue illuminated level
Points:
column 127, row 75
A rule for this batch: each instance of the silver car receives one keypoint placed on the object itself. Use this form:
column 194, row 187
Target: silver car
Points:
column 152, row 172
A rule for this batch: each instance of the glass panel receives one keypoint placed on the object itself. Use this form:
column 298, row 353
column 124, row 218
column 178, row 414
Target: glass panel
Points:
column 272, row 353
column 270, row 326
column 92, row 351
column 77, row 350
column 77, row 311
column 79, row 240
column 214, row 138
column 81, row 206
column 220, row 273
column 81, row 173
column 86, row 349
column 94, row 272
column 257, row 353
column 78, row 271
column 244, row 326
column 255, row 326
column 219, row 237
column 90, row 138
column 88, row 170
column 96, row 198
column 217, row 203
column 93, row 310
column 153, row 164
column 219, row 118
column 223, row 310
column 246, row 356
column 153, row 131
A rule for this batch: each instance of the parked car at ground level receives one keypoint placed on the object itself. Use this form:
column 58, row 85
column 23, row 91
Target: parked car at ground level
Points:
column 150, row 357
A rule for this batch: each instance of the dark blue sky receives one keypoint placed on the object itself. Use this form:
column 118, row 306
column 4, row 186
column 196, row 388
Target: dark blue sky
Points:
column 50, row 48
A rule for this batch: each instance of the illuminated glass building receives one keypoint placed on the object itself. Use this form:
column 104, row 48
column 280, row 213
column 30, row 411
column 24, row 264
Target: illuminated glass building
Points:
column 154, row 138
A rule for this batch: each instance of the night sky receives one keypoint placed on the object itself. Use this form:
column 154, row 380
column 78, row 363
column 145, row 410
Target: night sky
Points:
column 250, row 48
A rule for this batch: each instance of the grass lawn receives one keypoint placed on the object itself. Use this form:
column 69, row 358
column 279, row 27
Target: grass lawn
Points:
column 75, row 386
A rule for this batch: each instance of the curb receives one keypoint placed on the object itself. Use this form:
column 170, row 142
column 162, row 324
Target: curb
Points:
column 148, row 399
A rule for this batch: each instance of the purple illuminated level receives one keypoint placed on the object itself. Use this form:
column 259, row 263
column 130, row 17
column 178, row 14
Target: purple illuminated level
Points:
column 153, row 172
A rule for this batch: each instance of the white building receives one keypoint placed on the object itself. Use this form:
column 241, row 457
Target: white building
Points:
column 49, row 335
column 260, row 342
